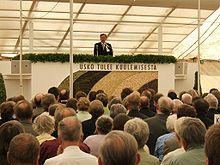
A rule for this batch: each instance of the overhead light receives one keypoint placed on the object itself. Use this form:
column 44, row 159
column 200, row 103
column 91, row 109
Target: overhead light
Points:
column 8, row 55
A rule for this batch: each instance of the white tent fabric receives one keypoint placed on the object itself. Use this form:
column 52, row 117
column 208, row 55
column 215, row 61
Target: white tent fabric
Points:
column 132, row 26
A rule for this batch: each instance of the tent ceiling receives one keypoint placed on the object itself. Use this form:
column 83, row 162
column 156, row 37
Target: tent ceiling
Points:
column 132, row 26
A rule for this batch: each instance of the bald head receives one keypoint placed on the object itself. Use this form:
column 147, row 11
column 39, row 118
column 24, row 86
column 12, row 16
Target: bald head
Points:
column 23, row 110
column 70, row 129
column 165, row 105
column 145, row 101
column 187, row 99
column 96, row 108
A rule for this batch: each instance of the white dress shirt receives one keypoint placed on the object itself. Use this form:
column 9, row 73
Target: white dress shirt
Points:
column 72, row 155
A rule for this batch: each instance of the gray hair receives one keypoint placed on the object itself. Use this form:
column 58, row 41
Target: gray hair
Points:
column 171, row 122
column 134, row 100
column 116, row 109
column 192, row 131
column 139, row 129
column 165, row 105
column 104, row 124
column 212, row 100
column 176, row 104
column 70, row 129
column 43, row 124
column 118, row 147
column 187, row 98
column 24, row 149
column 47, row 100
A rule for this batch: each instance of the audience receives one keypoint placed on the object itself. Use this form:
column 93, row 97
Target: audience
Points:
column 7, row 111
column 44, row 126
column 192, row 137
column 24, row 114
column 23, row 150
column 145, row 107
column 96, row 109
column 139, row 129
column 119, row 121
column 117, row 109
column 157, row 124
column 83, row 108
column 70, row 133
column 104, row 125
column 175, row 134
column 7, row 131
column 212, row 143
column 119, row 147
column 133, row 105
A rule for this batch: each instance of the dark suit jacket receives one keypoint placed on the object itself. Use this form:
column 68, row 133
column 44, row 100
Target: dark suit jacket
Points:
column 98, row 49
column 157, row 126
column 211, row 113
column 208, row 122
column 146, row 111
column 88, row 127
column 136, row 113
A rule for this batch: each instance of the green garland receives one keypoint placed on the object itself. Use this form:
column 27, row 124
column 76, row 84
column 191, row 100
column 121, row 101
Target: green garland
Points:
column 89, row 58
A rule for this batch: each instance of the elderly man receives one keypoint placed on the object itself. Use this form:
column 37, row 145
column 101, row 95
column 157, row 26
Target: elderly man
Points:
column 192, row 138
column 24, row 113
column 212, row 143
column 213, row 106
column 117, row 148
column 23, row 149
column 70, row 133
column 186, row 99
column 157, row 124
column 139, row 129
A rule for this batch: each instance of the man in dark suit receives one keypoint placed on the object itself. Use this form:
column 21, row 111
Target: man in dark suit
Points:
column 157, row 124
column 103, row 48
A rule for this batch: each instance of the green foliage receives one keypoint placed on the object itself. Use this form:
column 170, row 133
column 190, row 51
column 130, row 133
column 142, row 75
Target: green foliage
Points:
column 90, row 58
column 2, row 89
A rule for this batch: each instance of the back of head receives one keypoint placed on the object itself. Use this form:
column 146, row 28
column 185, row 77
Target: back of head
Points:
column 212, row 101
column 24, row 149
column 187, row 99
column 7, row 109
column 64, row 95
column 92, row 95
column 43, row 124
column 47, row 100
column 192, row 132
column 96, row 108
column 133, row 101
column 103, row 98
column 165, row 105
column 70, row 129
column 125, row 92
column 80, row 94
column 176, row 104
column 115, row 100
column 172, row 95
column 117, row 109
column 119, row 121
column 146, row 93
column 72, row 103
column 37, row 99
column 212, row 143
column 118, row 147
column 83, row 104
column 212, row 90
column 7, row 131
column 144, row 102
column 54, row 91
column 193, row 93
column 104, row 124
column 139, row 129
column 52, row 108
column 23, row 110
column 201, row 106
column 186, row 110
column 157, row 96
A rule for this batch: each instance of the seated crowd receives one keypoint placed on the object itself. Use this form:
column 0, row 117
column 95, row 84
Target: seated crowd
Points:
column 145, row 128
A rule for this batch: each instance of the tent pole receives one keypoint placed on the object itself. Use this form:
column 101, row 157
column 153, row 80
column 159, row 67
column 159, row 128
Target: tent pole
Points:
column 199, row 24
column 21, row 51
column 71, row 49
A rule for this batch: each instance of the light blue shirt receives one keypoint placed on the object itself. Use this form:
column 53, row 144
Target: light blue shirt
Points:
column 158, row 152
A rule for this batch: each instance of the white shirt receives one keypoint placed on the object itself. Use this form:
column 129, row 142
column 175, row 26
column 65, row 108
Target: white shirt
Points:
column 83, row 115
column 72, row 155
